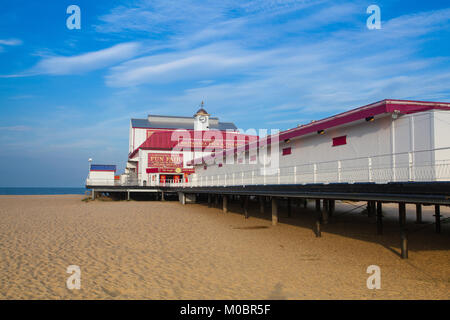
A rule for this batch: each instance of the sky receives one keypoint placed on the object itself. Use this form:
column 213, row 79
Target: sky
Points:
column 67, row 95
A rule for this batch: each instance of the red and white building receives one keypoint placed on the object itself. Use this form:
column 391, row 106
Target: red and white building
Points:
column 161, row 147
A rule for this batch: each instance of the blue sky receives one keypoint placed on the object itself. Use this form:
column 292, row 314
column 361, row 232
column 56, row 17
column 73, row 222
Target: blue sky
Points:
column 67, row 95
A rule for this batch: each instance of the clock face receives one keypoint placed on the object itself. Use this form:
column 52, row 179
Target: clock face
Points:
column 202, row 119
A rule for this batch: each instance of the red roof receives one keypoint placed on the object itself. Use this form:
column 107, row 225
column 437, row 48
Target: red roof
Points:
column 167, row 140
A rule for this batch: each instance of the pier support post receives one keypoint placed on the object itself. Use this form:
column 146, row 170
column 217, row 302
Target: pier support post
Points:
column 305, row 203
column 162, row 196
column 402, row 213
column 332, row 206
column 225, row 204
column 318, row 231
column 274, row 211
column 419, row 213
column 209, row 200
column 93, row 195
column 261, row 204
column 246, row 198
column 128, row 195
column 370, row 209
column 182, row 197
column 289, row 208
column 404, row 245
column 379, row 217
column 317, row 205
column 216, row 200
column 325, row 211
column 437, row 217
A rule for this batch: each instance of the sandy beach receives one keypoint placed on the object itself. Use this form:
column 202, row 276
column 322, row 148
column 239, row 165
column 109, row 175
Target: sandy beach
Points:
column 163, row 250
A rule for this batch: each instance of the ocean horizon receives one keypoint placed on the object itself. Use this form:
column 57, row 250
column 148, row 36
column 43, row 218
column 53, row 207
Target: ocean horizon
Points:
column 41, row 190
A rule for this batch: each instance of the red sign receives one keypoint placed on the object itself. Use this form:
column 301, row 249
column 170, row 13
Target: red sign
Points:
column 165, row 160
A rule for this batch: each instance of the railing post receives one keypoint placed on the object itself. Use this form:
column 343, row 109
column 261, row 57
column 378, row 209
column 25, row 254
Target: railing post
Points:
column 339, row 171
column 295, row 174
column 370, row 168
column 278, row 172
column 242, row 178
column 410, row 167
column 315, row 173
column 253, row 177
column 234, row 182
column 264, row 176
column 225, row 180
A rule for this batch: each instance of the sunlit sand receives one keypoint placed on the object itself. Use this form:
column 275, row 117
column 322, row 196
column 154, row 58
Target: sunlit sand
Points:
column 163, row 250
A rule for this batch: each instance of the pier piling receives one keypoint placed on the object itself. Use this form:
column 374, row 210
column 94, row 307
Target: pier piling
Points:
column 274, row 211
column 289, row 208
column 419, row 213
column 261, row 204
column 318, row 231
column 332, row 206
column 437, row 217
column 402, row 213
column 182, row 197
column 225, row 204
column 246, row 199
column 370, row 209
column 404, row 245
column 317, row 205
column 325, row 211
column 379, row 217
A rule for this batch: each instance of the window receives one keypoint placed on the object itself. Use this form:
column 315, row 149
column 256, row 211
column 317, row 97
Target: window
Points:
column 287, row 151
column 339, row 141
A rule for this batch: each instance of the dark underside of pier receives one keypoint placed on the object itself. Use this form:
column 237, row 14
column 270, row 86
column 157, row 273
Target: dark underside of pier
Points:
column 410, row 192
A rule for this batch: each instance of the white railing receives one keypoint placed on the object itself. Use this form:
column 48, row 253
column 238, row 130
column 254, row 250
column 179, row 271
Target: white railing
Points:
column 129, row 181
column 400, row 167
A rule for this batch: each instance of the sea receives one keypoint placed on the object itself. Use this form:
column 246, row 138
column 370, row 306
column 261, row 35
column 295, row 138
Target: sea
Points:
column 40, row 191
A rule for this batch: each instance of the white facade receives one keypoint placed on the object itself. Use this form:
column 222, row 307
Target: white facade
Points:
column 412, row 147
column 101, row 178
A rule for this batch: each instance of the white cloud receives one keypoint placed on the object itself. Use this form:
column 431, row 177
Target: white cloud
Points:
column 11, row 42
column 220, row 58
column 15, row 128
column 335, row 72
column 86, row 62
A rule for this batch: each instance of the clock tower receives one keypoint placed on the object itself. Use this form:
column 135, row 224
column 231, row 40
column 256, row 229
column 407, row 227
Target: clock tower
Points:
column 201, row 119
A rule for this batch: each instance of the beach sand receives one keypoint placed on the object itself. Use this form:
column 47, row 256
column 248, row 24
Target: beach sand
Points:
column 163, row 250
